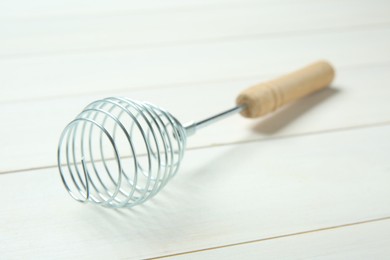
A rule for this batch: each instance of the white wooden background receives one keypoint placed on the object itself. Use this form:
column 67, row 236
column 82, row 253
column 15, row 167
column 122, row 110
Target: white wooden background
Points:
column 310, row 181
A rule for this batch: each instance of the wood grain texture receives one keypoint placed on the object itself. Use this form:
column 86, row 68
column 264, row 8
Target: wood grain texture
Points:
column 222, row 195
column 127, row 28
column 315, row 164
column 22, row 9
column 266, row 97
column 362, row 241
column 29, row 78
column 33, row 127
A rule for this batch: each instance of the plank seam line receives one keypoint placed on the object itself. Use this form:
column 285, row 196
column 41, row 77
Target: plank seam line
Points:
column 185, row 84
column 205, row 41
column 278, row 237
column 298, row 135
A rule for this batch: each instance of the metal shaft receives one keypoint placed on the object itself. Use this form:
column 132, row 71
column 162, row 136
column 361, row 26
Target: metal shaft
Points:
column 192, row 127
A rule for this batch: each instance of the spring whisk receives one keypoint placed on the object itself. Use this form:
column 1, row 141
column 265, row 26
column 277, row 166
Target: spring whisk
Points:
column 119, row 152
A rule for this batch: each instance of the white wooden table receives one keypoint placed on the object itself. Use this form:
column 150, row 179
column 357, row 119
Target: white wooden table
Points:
column 310, row 181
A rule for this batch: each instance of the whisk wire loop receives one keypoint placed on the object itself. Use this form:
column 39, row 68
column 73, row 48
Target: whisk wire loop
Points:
column 119, row 152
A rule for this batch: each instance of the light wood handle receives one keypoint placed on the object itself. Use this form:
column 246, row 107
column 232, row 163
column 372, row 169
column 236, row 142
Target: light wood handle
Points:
column 266, row 97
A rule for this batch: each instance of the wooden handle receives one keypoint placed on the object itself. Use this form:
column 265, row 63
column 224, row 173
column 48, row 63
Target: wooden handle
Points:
column 266, row 97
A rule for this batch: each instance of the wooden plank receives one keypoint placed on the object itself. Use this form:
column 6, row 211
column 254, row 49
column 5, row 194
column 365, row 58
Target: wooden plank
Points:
column 33, row 127
column 110, row 71
column 23, row 9
column 146, row 29
column 225, row 194
column 364, row 241
column 221, row 196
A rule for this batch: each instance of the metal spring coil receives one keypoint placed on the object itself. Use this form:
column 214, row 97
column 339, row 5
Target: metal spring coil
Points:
column 119, row 152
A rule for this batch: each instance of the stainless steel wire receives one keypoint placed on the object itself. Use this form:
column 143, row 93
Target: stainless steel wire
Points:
column 119, row 152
